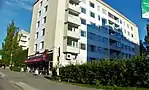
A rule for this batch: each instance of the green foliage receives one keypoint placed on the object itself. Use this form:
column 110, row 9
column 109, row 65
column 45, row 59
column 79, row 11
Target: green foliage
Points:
column 17, row 69
column 12, row 53
column 142, row 49
column 123, row 73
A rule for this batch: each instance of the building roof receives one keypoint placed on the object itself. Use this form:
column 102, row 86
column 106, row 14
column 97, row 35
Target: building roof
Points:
column 24, row 32
column 114, row 10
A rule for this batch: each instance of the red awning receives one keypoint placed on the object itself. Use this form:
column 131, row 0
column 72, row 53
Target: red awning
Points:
column 35, row 60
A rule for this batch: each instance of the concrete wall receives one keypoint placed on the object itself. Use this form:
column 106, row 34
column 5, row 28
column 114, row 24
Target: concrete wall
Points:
column 33, row 29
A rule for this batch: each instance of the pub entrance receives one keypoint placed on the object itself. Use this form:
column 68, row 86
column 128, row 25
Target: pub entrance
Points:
column 40, row 63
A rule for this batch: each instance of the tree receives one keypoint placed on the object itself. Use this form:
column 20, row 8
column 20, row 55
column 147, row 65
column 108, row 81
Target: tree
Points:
column 12, row 53
column 7, row 43
column 147, row 39
column 142, row 48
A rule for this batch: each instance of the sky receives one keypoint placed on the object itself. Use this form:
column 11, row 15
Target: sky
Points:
column 21, row 12
column 18, row 10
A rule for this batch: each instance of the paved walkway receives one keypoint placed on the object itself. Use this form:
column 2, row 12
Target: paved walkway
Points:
column 30, row 82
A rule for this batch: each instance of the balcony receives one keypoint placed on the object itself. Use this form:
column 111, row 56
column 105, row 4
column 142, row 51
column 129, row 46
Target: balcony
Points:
column 71, row 49
column 114, row 47
column 75, row 1
column 73, row 19
column 71, row 45
column 74, row 34
column 74, row 8
column 115, row 36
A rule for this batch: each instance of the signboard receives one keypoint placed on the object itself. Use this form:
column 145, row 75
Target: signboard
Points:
column 145, row 9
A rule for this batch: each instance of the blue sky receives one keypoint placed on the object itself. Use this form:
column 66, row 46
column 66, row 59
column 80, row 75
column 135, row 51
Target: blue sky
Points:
column 21, row 11
column 18, row 10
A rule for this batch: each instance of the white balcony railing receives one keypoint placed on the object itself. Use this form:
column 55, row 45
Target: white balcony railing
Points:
column 73, row 19
column 74, row 8
column 74, row 34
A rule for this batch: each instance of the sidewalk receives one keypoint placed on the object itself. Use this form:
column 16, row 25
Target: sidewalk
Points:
column 27, row 81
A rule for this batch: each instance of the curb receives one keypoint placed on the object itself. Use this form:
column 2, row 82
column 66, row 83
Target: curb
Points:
column 24, row 86
column 18, row 86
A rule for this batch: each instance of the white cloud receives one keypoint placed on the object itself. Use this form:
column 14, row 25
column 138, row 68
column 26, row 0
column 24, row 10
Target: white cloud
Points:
column 25, row 4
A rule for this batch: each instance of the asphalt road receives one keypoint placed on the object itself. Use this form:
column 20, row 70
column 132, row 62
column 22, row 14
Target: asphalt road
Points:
column 5, row 85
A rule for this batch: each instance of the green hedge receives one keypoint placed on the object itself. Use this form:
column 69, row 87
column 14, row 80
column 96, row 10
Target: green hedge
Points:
column 17, row 69
column 123, row 73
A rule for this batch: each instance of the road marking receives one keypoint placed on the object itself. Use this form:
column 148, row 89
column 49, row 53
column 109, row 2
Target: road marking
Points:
column 24, row 86
column 2, row 74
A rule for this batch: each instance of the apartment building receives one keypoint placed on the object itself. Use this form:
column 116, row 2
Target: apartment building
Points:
column 77, row 31
column 24, row 39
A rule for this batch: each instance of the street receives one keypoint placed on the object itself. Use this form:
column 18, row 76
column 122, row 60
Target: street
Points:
column 5, row 85
column 28, row 81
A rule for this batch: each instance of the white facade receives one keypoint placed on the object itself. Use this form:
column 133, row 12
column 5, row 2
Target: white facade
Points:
column 24, row 39
column 67, row 24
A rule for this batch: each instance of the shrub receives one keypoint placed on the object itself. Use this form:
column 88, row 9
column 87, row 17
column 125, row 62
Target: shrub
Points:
column 133, row 73
column 17, row 69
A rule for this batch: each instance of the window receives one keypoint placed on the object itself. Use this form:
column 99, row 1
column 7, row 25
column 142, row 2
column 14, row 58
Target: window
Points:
column 83, row 46
column 120, row 21
column 99, row 49
column 23, row 37
column 92, row 14
column 38, row 24
column 92, row 48
column 91, row 36
column 39, row 13
column 35, row 47
column 98, row 17
column 127, row 25
column 40, row 3
column 105, row 40
column 98, row 8
column 45, row 8
column 125, row 47
column 23, row 41
column 83, row 33
column 125, row 31
column 104, row 11
column 132, row 28
column 72, row 42
column 36, row 35
column 83, row 10
column 43, row 32
column 92, row 4
column 71, row 27
column 128, row 33
column 92, row 25
column 106, row 51
column 104, row 22
column 41, row 45
column 44, row 19
column 124, row 23
column 99, row 39
column 84, row 1
column 131, row 35
column 83, row 21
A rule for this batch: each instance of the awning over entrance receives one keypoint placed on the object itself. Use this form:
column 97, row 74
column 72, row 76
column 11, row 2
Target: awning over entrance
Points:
column 37, row 57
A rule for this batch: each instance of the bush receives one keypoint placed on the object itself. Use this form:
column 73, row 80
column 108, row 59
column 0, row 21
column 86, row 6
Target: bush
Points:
column 17, row 69
column 124, row 73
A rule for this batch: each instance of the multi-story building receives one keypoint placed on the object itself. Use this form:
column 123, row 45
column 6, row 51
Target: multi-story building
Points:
column 24, row 39
column 82, row 30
